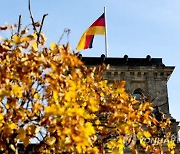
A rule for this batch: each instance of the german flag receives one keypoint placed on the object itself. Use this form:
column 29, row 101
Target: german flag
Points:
column 97, row 28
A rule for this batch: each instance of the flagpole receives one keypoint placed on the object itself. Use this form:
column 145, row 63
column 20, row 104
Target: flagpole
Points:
column 106, row 44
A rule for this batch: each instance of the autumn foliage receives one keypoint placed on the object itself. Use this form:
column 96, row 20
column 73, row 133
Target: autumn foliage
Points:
column 48, row 96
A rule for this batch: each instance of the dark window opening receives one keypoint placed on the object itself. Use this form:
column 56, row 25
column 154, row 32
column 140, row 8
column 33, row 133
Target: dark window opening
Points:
column 138, row 95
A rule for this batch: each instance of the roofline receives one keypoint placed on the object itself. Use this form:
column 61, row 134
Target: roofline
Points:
column 125, row 61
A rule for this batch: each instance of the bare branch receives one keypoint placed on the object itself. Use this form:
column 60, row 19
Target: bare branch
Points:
column 34, row 27
column 66, row 31
column 41, row 26
column 61, row 37
column 19, row 25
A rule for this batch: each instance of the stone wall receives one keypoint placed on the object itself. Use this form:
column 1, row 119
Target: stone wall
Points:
column 149, row 80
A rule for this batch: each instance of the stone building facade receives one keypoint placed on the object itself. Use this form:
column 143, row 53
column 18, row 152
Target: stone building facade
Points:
column 146, row 78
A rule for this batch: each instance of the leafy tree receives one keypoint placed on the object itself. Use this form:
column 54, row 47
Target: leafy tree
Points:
column 49, row 96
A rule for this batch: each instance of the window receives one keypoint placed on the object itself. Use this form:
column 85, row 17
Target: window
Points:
column 139, row 74
column 138, row 94
column 108, row 74
column 115, row 74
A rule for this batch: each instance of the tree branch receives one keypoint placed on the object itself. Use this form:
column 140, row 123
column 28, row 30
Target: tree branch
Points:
column 19, row 25
column 33, row 23
column 66, row 30
column 41, row 26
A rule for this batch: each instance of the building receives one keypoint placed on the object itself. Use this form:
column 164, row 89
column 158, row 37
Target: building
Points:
column 146, row 79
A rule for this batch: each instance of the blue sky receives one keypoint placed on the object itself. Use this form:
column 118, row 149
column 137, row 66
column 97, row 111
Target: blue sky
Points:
column 135, row 27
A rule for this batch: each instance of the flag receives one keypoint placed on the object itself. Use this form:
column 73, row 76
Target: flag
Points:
column 97, row 28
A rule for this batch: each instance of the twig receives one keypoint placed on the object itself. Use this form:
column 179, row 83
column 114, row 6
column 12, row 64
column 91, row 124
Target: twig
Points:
column 66, row 30
column 33, row 23
column 38, row 139
column 41, row 26
column 19, row 25
column 61, row 37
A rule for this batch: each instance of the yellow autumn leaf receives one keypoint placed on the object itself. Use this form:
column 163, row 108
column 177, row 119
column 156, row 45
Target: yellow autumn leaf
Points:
column 12, row 126
column 37, row 106
column 147, row 134
column 30, row 130
column 67, row 140
column 93, row 105
column 120, row 145
column 17, row 90
column 53, row 66
column 94, row 150
column 16, row 39
column 172, row 151
column 122, row 84
column 111, row 144
column 117, row 152
column 70, row 95
column 1, row 116
column 127, row 129
column 55, row 95
column 4, row 93
column 50, row 140
column 34, row 46
column 4, row 48
column 139, row 135
column 19, row 49
column 27, row 38
column 43, row 39
column 171, row 145
column 76, row 138
column 143, row 143
column 89, row 129
column 37, row 130
column 79, row 149
column 35, row 35
column 53, row 109
column 52, row 45
column 97, row 122
column 12, row 147
column 36, row 96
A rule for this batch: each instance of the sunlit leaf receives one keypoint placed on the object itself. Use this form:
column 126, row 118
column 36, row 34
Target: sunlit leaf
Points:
column 55, row 95
column 34, row 46
column 27, row 38
column 12, row 147
column 50, row 140
column 52, row 45
column 171, row 145
column 1, row 116
column 16, row 39
column 147, row 134
column 13, row 126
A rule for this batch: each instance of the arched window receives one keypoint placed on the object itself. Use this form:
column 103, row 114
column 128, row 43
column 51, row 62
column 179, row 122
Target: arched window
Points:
column 138, row 94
